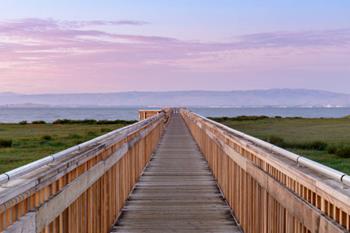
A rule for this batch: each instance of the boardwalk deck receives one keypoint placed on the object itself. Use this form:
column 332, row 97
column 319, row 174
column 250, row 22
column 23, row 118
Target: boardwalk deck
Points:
column 177, row 192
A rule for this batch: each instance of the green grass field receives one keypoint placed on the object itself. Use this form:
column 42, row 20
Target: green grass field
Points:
column 324, row 140
column 23, row 143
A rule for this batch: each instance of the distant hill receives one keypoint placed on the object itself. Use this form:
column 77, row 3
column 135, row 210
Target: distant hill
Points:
column 252, row 98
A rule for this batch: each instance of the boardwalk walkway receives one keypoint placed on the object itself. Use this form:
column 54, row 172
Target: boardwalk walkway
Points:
column 177, row 192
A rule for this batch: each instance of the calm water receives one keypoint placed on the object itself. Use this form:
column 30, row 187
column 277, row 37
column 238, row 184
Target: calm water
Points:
column 50, row 114
column 284, row 112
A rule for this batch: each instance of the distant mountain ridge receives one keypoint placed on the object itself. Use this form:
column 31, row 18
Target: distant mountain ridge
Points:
column 250, row 98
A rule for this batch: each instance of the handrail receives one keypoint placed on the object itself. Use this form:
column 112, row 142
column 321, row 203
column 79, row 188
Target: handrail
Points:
column 300, row 160
column 10, row 175
column 265, row 187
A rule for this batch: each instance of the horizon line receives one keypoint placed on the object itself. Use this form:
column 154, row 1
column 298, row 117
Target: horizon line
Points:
column 169, row 91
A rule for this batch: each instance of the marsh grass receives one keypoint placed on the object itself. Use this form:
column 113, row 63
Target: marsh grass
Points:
column 4, row 143
column 26, row 142
column 326, row 140
column 92, row 121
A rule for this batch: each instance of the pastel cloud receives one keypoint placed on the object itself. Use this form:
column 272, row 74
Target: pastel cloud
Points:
column 49, row 49
column 340, row 37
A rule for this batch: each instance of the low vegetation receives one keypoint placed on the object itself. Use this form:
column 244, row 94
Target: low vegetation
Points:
column 4, row 143
column 326, row 140
column 92, row 121
column 25, row 142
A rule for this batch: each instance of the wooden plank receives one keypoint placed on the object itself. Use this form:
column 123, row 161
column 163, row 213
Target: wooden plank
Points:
column 177, row 192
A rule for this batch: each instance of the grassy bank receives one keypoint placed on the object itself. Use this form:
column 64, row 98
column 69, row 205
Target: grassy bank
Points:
column 23, row 143
column 326, row 140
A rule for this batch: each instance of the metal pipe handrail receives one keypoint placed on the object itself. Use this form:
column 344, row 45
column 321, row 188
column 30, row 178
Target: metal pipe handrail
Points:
column 10, row 175
column 300, row 160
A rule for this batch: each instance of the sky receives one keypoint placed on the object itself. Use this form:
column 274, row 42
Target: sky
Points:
column 160, row 45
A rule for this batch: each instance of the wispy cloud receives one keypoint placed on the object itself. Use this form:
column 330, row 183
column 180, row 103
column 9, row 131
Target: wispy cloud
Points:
column 339, row 37
column 48, row 47
column 36, row 23
column 103, row 23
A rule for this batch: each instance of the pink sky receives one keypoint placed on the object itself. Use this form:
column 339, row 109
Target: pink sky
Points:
column 47, row 55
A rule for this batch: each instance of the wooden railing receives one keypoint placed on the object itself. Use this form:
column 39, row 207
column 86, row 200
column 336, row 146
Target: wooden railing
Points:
column 147, row 113
column 82, row 189
column 267, row 190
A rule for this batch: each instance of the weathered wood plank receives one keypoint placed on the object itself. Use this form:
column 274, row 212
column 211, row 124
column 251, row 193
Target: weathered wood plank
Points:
column 177, row 192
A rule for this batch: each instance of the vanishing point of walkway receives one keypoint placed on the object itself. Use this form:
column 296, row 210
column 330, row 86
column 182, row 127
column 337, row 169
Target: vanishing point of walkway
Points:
column 177, row 192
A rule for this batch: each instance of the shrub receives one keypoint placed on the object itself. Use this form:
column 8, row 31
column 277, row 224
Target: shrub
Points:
column 278, row 141
column 38, row 122
column 67, row 121
column 46, row 137
column 251, row 118
column 4, row 143
column 55, row 143
column 92, row 121
column 316, row 145
column 74, row 136
column 123, row 122
column 319, row 145
column 23, row 122
column 238, row 118
column 87, row 121
column 340, row 150
column 343, row 151
column 332, row 149
column 105, row 130
column 92, row 134
column 61, row 121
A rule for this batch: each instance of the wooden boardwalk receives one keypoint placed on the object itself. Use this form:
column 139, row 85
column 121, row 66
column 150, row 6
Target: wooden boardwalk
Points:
column 177, row 192
column 84, row 188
